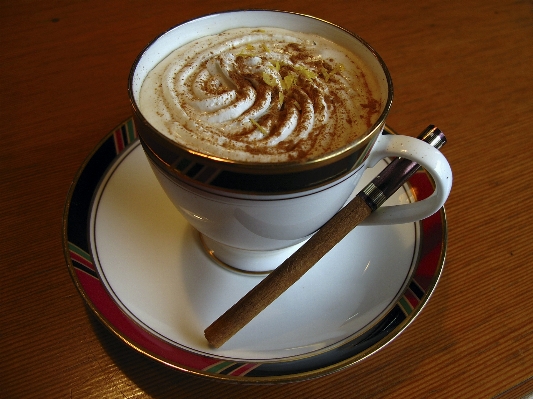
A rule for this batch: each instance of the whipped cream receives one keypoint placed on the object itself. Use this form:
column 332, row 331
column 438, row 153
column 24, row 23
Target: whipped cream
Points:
column 261, row 95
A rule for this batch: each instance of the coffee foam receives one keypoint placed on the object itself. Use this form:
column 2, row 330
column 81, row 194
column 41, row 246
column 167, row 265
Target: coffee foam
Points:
column 261, row 95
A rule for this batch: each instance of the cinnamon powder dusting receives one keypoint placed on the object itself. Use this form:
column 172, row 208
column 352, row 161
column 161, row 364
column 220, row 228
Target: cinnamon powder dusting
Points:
column 263, row 95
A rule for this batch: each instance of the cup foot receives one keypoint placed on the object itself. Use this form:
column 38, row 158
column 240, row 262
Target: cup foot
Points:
column 253, row 262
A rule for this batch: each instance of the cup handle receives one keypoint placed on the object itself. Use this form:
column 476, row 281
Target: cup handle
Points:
column 431, row 159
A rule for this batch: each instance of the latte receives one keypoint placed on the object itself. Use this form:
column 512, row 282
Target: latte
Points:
column 261, row 95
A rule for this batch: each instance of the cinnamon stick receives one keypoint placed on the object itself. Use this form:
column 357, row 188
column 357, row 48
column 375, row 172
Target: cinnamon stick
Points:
column 285, row 275
column 290, row 271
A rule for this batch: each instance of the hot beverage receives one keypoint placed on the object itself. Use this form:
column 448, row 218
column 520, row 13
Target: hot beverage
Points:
column 259, row 134
column 262, row 95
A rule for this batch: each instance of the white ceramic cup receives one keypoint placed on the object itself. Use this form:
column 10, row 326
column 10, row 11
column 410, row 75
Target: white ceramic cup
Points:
column 253, row 216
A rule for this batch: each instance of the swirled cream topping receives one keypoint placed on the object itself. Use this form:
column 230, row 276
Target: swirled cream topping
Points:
column 261, row 95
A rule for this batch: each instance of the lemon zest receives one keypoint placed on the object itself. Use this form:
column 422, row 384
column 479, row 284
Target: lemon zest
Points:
column 243, row 54
column 287, row 82
column 337, row 69
column 259, row 127
column 305, row 72
column 269, row 79
column 275, row 66
column 325, row 73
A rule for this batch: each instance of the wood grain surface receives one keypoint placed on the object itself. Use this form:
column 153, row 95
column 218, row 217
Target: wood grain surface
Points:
column 464, row 66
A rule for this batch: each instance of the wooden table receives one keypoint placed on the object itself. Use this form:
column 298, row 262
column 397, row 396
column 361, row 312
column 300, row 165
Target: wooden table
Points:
column 462, row 65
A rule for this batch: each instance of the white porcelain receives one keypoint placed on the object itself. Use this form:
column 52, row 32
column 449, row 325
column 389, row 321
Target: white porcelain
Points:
column 256, row 232
column 142, row 271
column 151, row 262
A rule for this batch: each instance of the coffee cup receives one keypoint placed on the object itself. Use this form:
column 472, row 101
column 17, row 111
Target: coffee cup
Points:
column 252, row 203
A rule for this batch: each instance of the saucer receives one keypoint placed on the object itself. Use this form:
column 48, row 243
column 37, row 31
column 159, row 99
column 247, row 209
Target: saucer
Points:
column 143, row 270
